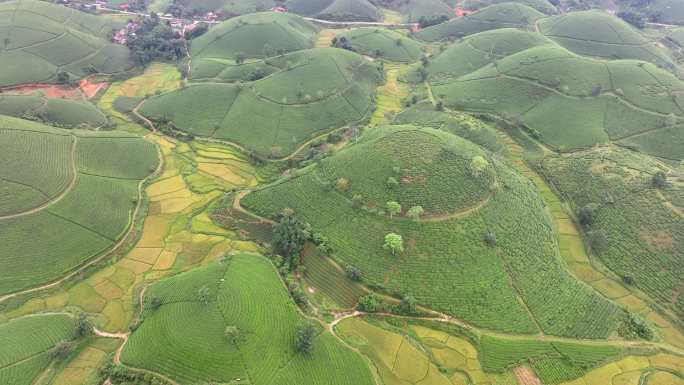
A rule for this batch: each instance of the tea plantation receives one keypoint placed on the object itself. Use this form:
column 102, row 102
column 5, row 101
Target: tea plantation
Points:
column 40, row 39
column 57, row 112
column 382, row 44
column 354, row 10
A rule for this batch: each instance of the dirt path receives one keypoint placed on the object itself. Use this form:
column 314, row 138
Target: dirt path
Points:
column 106, row 254
column 140, row 116
column 67, row 189
column 526, row 376
column 456, row 214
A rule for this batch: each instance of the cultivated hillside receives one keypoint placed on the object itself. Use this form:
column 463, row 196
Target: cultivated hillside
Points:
column 345, row 10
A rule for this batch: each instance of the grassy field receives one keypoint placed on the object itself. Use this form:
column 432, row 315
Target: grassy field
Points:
column 601, row 35
column 412, row 11
column 326, row 88
column 383, row 44
column 244, row 292
column 78, row 197
column 504, row 15
column 543, row 6
column 26, row 345
column 512, row 272
column 56, row 112
column 40, row 39
column 346, row 10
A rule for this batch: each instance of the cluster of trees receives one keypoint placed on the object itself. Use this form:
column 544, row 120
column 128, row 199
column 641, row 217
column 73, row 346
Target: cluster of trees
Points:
column 372, row 303
column 155, row 40
column 427, row 21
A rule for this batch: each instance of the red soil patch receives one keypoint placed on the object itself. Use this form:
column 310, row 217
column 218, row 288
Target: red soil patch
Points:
column 526, row 376
column 89, row 88
column 48, row 90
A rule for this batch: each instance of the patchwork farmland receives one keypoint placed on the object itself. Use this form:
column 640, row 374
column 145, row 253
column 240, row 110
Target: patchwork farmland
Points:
column 343, row 192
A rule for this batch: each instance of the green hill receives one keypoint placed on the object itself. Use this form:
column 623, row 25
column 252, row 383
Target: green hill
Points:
column 543, row 6
column 446, row 264
column 184, row 336
column 599, row 34
column 255, row 36
column 228, row 7
column 413, row 10
column 27, row 342
column 383, row 44
column 569, row 101
column 65, row 196
column 344, row 10
column 312, row 92
column 503, row 15
column 637, row 232
column 56, row 112
column 40, row 39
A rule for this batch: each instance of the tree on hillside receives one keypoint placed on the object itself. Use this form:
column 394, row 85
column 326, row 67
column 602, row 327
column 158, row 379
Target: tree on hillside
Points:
column 240, row 58
column 232, row 334
column 289, row 236
column 203, row 295
column 659, row 180
column 341, row 184
column 353, row 273
column 369, row 303
column 408, row 304
column 61, row 350
column 478, row 166
column 633, row 18
column 393, row 208
column 63, row 77
column 304, row 338
column 83, row 326
column 392, row 182
column 586, row 215
column 394, row 243
column 415, row 212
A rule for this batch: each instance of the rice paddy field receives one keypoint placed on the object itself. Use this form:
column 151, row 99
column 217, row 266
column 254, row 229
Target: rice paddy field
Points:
column 492, row 200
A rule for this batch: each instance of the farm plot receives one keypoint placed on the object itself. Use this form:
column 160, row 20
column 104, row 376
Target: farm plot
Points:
column 56, row 112
column 641, row 237
column 77, row 213
column 504, row 15
column 244, row 292
column 324, row 88
column 26, row 345
column 41, row 39
column 495, row 277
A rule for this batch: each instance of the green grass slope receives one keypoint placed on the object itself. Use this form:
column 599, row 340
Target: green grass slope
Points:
column 414, row 10
column 503, row 15
column 26, row 344
column 383, row 44
column 643, row 234
column 568, row 101
column 56, row 112
column 343, row 10
column 255, row 36
column 313, row 91
column 446, row 264
column 52, row 220
column 39, row 39
column 599, row 34
column 543, row 6
column 184, row 337
column 229, row 7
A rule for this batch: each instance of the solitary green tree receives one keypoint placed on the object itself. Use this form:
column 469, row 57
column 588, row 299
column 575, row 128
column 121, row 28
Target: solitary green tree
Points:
column 305, row 338
column 478, row 165
column 394, row 243
column 415, row 212
column 393, row 208
column 408, row 304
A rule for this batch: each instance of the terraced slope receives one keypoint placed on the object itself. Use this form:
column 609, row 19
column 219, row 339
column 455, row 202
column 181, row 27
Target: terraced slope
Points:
column 414, row 10
column 312, row 92
column 567, row 101
column 244, row 292
column 543, row 6
column 640, row 225
column 503, row 15
column 57, row 112
column 39, row 39
column 343, row 10
column 383, row 44
column 599, row 34
column 229, row 7
column 26, row 345
column 64, row 198
column 503, row 288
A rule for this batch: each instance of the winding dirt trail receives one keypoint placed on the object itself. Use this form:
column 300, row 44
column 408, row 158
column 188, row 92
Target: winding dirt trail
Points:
column 67, row 189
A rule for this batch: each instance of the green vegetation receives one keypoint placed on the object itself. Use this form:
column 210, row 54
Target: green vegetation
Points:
column 185, row 338
column 56, row 112
column 188, row 8
column 543, row 6
column 345, row 10
column 641, row 231
column 504, row 15
column 422, row 11
column 74, row 215
column 39, row 40
column 666, row 11
column 601, row 35
column 476, row 288
column 313, row 91
column 29, row 345
column 381, row 44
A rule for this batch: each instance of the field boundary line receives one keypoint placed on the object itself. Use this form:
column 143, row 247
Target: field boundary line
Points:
column 65, row 192
column 128, row 233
